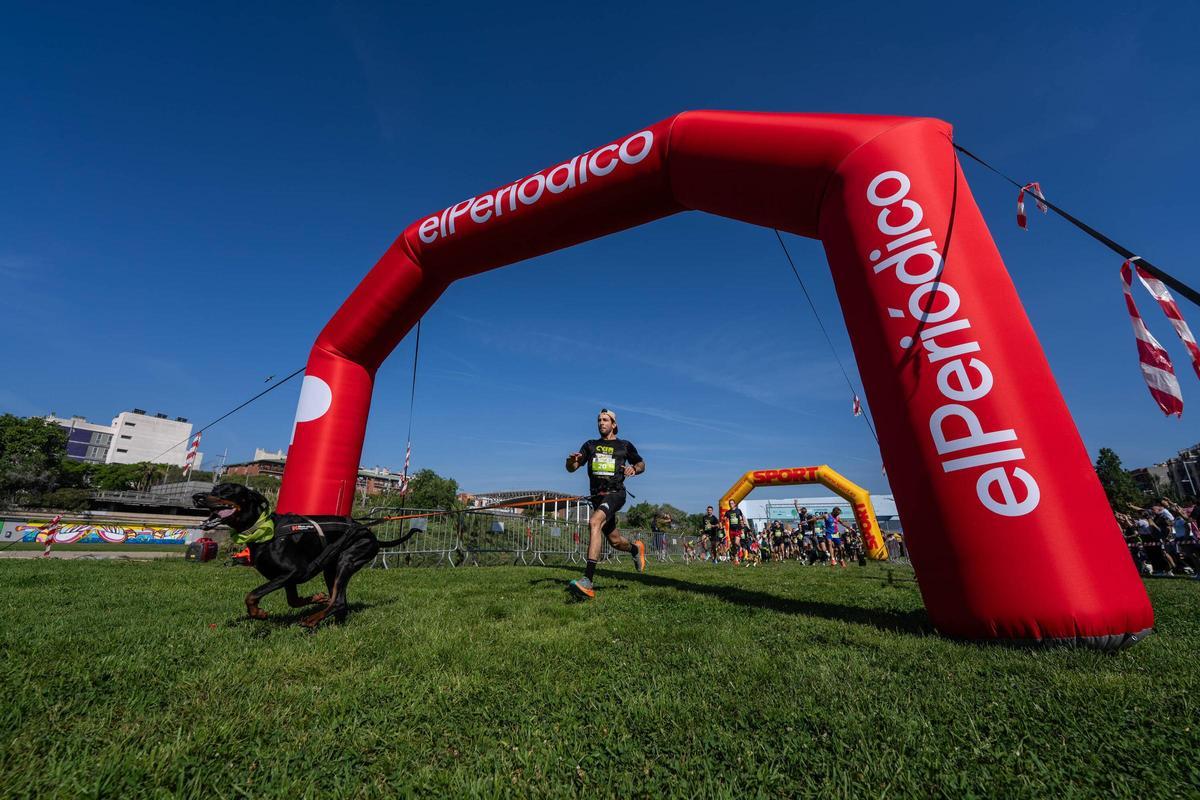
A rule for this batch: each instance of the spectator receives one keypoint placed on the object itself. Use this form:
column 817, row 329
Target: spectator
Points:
column 1157, row 560
column 1182, row 545
column 1163, row 519
column 658, row 523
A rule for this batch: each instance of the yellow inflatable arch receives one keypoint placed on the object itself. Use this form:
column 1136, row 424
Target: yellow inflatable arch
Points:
column 858, row 497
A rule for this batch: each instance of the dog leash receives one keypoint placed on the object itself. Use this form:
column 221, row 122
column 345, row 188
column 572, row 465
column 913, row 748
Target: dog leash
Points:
column 505, row 504
column 327, row 549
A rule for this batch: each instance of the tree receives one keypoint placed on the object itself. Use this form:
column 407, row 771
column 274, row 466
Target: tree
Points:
column 641, row 515
column 427, row 489
column 76, row 474
column 118, row 477
column 386, row 499
column 172, row 473
column 678, row 515
column 31, row 453
column 1118, row 484
column 266, row 485
column 66, row 499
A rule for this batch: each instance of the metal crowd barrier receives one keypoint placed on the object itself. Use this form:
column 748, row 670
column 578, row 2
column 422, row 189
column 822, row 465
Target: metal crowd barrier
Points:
column 464, row 536
column 556, row 537
column 608, row 554
column 897, row 552
column 679, row 553
column 675, row 551
column 893, row 537
column 436, row 537
column 482, row 532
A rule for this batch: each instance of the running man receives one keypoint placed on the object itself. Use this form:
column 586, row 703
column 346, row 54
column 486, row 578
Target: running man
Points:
column 833, row 530
column 712, row 531
column 609, row 462
column 737, row 527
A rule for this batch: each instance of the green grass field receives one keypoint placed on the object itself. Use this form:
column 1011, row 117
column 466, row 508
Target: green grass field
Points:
column 138, row 679
column 96, row 548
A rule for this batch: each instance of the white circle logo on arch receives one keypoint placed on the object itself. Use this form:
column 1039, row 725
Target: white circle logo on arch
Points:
column 315, row 399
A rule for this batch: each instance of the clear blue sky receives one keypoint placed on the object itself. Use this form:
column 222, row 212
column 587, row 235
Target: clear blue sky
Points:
column 189, row 194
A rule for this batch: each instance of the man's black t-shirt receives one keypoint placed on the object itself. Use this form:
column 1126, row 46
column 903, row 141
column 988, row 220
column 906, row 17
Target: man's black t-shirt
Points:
column 606, row 460
column 736, row 520
column 711, row 521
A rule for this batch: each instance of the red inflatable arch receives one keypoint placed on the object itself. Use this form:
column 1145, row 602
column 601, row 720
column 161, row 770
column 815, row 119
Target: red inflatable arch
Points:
column 1008, row 528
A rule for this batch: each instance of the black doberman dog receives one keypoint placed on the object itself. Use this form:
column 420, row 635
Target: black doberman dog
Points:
column 300, row 548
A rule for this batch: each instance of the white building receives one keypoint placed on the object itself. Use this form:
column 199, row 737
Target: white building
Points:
column 138, row 436
column 86, row 441
column 132, row 437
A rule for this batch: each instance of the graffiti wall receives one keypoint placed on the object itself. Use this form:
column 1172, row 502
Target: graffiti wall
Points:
column 93, row 532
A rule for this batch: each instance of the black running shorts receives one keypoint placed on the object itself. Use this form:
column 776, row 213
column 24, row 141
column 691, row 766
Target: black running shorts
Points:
column 610, row 504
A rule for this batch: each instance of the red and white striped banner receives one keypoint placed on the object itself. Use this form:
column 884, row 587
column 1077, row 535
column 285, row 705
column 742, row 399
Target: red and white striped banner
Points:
column 191, row 457
column 857, row 406
column 49, row 531
column 407, row 459
column 1165, row 301
column 1035, row 189
column 1157, row 369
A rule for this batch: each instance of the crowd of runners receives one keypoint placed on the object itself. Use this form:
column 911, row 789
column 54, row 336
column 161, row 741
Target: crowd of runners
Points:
column 1163, row 539
column 812, row 539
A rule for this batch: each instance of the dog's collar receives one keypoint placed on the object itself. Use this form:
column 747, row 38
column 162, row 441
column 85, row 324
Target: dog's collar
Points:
column 263, row 531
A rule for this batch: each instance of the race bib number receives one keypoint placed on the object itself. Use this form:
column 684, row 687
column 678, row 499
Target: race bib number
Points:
column 604, row 463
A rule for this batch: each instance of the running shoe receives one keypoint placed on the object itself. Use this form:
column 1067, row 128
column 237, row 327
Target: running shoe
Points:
column 582, row 588
column 639, row 555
